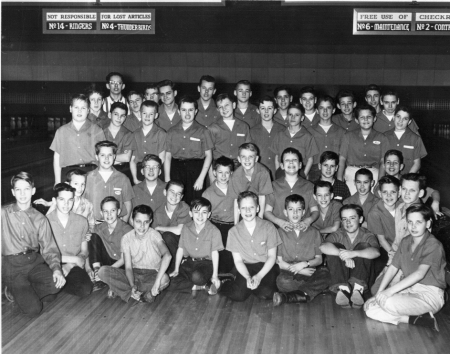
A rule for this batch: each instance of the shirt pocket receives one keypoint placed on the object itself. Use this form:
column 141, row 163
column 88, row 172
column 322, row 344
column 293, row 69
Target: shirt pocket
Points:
column 195, row 146
column 261, row 249
column 374, row 152
column 408, row 152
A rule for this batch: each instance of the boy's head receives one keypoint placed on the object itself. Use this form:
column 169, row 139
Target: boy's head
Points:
column 366, row 116
column 266, row 108
column 372, row 95
column 329, row 164
column 295, row 114
column 223, row 168
column 135, row 100
column 151, row 167
column 95, row 95
column 243, row 91
column 110, row 208
column 248, row 205
column 79, row 108
column 248, row 155
column 206, row 87
column 283, row 96
column 352, row 216
column 77, row 179
column 63, row 196
column 118, row 113
column 291, row 161
column 389, row 190
column 149, row 112
column 419, row 219
column 402, row 118
column 105, row 153
column 294, row 208
column 151, row 93
column 225, row 105
column 174, row 192
column 142, row 218
column 413, row 187
column 22, row 187
column 393, row 162
column 389, row 100
column 325, row 107
column 188, row 109
column 114, row 83
column 200, row 210
column 308, row 98
column 364, row 181
column 167, row 92
column 323, row 193
column 346, row 101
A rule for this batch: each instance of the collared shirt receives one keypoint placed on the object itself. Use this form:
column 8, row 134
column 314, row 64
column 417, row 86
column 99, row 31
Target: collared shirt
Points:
column 226, row 142
column 77, row 147
column 180, row 216
column 263, row 139
column 109, row 101
column 124, row 139
column 200, row 245
column 301, row 248
column 401, row 224
column 190, row 143
column 429, row 252
column 28, row 229
column 132, row 123
column 118, row 185
column 207, row 116
column 364, row 235
column 253, row 248
column 326, row 141
column 102, row 120
column 381, row 222
column 260, row 183
column 144, row 249
column 277, row 117
column 363, row 152
column 303, row 141
column 112, row 241
column 369, row 203
column 282, row 189
column 332, row 215
column 251, row 116
column 83, row 207
column 152, row 143
column 222, row 205
column 410, row 144
column 164, row 121
column 383, row 124
column 342, row 122
column 142, row 195
column 70, row 237
column 340, row 190
column 309, row 123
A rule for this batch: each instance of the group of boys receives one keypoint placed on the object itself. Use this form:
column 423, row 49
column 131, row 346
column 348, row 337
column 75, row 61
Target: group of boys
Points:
column 229, row 198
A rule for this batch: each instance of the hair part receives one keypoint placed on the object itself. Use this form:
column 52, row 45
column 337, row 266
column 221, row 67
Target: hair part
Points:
column 415, row 177
column 357, row 208
column 389, row 180
column 62, row 187
column 423, row 209
column 329, row 155
column 105, row 143
column 109, row 199
column 364, row 172
column 142, row 209
column 119, row 105
column 294, row 198
column 199, row 203
column 247, row 194
column 22, row 176
column 225, row 162
column 365, row 107
column 393, row 152
column 76, row 172
column 323, row 184
column 291, row 150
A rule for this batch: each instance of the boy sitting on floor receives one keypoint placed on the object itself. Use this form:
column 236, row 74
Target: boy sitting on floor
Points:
column 329, row 219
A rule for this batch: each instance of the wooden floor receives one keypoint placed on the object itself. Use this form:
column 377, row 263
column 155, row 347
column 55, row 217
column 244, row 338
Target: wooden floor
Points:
column 198, row 323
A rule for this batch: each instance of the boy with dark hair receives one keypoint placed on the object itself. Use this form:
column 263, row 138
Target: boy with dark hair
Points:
column 207, row 113
column 69, row 230
column 245, row 111
column 106, row 181
column 96, row 114
column 301, row 277
column 253, row 242
column 150, row 139
column 151, row 93
column 420, row 294
column 329, row 220
column 146, row 260
column 197, row 257
column 283, row 97
column 350, row 253
column 372, row 96
column 346, row 102
column 169, row 114
column 27, row 244
column 73, row 144
column 308, row 100
column 263, row 133
column 329, row 164
column 188, row 151
column 115, row 85
column 133, row 120
column 328, row 136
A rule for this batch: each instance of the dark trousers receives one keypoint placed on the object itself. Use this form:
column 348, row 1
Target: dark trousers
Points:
column 98, row 252
column 124, row 167
column 171, row 241
column 187, row 171
column 30, row 281
column 78, row 282
column 192, row 273
column 226, row 262
column 88, row 168
column 363, row 273
column 237, row 290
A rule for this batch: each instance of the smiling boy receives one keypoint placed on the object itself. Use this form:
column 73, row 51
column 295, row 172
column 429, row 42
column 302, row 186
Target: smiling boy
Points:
column 346, row 102
column 115, row 85
column 169, row 114
column 245, row 111
column 283, row 98
column 207, row 111
column 133, row 120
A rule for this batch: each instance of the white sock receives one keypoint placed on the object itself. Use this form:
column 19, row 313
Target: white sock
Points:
column 344, row 288
column 357, row 287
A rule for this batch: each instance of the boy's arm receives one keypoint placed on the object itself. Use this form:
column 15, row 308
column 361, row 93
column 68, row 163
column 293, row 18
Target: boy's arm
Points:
column 381, row 172
column 236, row 211
column 162, row 155
column 119, row 263
column 174, row 229
column 262, row 205
column 215, row 262
column 125, row 157
column 241, row 267
column 127, row 215
column 283, row 265
column 388, row 276
column 383, row 243
column 436, row 197
column 129, row 268
column 178, row 259
column 201, row 178
column 329, row 248
column 133, row 169
column 341, row 169
column 306, row 222
column 268, row 265
column 416, row 166
column 167, row 163
column 165, row 261
column 56, row 168
column 330, row 229
column 277, row 163
column 308, row 166
column 284, row 224
column 368, row 253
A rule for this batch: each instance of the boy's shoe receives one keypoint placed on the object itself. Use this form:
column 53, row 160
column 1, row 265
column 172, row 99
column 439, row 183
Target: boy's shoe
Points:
column 223, row 277
column 343, row 299
column 98, row 284
column 111, row 294
column 425, row 320
column 199, row 287
column 357, row 299
column 292, row 297
column 148, row 297
column 212, row 289
column 8, row 295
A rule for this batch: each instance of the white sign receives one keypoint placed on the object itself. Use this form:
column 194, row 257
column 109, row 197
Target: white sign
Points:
column 432, row 16
column 125, row 16
column 71, row 16
column 384, row 16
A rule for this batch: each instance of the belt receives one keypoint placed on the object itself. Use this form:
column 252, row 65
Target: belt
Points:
column 199, row 259
column 20, row 253
column 82, row 165
column 222, row 222
column 365, row 166
column 186, row 160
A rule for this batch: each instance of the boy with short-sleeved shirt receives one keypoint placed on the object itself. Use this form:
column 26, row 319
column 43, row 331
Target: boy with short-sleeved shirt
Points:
column 115, row 85
column 308, row 100
column 283, row 97
column 245, row 111
column 346, row 102
column 96, row 114
column 133, row 121
column 207, row 113
column 169, row 114
column 329, row 219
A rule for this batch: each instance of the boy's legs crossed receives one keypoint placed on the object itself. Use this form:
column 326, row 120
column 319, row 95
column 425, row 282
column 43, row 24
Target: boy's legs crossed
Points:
column 268, row 285
column 144, row 279
column 236, row 289
column 226, row 262
column 78, row 282
column 116, row 280
column 192, row 273
column 319, row 281
column 171, row 241
column 98, row 252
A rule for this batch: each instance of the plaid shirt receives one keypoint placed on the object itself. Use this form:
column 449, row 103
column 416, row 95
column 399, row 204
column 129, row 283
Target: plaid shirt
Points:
column 340, row 190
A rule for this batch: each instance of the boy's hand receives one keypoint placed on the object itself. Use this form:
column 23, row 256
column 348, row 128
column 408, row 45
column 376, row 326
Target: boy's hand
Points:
column 286, row 225
column 198, row 185
column 136, row 181
column 88, row 236
column 42, row 202
column 346, row 254
column 90, row 272
column 173, row 274
column 59, row 279
column 216, row 282
column 67, row 267
column 155, row 288
column 434, row 206
column 256, row 280
column 303, row 226
column 350, row 263
column 249, row 283
column 80, row 262
column 382, row 296
column 297, row 267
